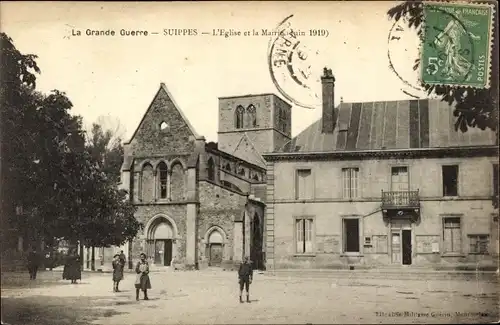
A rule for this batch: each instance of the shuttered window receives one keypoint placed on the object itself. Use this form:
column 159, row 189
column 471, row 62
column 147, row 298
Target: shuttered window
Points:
column 478, row 244
column 452, row 235
column 304, row 184
column 304, row 228
column 350, row 182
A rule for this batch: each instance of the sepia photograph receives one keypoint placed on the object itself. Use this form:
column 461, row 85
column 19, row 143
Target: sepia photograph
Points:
column 249, row 162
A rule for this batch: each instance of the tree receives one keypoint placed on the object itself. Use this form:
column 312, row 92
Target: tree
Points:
column 105, row 144
column 47, row 168
column 473, row 107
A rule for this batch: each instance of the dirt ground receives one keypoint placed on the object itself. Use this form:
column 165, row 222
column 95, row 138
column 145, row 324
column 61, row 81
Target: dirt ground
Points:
column 211, row 297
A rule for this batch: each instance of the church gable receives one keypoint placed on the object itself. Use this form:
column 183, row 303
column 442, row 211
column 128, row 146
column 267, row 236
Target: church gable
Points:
column 245, row 150
column 163, row 129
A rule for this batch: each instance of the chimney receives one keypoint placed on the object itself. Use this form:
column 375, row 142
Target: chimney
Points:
column 329, row 114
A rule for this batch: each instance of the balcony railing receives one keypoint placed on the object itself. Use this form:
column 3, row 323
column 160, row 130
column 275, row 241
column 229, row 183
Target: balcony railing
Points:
column 400, row 199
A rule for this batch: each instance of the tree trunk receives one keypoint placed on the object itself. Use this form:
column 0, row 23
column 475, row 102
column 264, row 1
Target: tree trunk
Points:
column 81, row 254
column 92, row 265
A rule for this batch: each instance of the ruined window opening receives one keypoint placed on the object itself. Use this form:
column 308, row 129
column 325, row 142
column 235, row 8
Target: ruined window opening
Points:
column 239, row 117
column 252, row 116
column 450, row 180
column 351, row 235
column 163, row 125
column 211, row 169
column 163, row 180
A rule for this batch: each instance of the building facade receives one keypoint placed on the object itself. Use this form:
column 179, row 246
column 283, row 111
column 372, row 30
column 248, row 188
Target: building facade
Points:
column 382, row 183
column 203, row 204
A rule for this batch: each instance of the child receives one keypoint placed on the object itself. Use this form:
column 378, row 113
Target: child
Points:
column 117, row 272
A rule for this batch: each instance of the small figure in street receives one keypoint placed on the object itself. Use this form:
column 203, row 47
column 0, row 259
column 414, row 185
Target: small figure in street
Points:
column 33, row 263
column 142, row 281
column 245, row 277
column 123, row 258
column 72, row 268
column 117, row 272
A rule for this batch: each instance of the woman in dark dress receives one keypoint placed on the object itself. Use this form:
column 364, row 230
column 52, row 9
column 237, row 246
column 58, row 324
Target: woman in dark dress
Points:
column 72, row 268
column 118, row 265
column 142, row 281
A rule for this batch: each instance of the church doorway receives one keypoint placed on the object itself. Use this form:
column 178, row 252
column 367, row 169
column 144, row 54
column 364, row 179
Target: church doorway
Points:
column 256, row 243
column 215, row 248
column 160, row 242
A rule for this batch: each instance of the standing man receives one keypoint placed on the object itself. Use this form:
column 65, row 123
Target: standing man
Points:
column 245, row 277
column 33, row 263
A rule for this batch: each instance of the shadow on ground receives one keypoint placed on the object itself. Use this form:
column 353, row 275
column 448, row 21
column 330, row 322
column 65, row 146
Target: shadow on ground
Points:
column 47, row 310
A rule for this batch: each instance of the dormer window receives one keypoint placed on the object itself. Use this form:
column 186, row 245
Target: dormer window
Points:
column 163, row 126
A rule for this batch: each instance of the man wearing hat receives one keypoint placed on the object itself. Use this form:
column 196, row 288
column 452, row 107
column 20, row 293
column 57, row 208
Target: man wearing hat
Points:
column 245, row 276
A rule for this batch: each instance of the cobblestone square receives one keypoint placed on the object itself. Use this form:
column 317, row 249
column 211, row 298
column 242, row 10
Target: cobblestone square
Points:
column 211, row 297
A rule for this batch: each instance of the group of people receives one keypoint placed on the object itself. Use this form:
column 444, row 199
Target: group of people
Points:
column 72, row 271
column 142, row 281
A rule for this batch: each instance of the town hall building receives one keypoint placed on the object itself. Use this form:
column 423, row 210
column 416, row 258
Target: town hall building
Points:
column 383, row 183
column 203, row 204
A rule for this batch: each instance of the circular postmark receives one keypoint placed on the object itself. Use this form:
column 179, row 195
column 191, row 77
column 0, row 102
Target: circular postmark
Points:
column 294, row 67
column 444, row 52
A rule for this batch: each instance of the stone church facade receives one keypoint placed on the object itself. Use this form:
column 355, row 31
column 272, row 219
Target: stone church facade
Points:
column 203, row 204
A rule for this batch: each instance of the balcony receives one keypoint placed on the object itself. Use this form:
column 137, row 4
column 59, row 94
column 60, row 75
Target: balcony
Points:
column 400, row 200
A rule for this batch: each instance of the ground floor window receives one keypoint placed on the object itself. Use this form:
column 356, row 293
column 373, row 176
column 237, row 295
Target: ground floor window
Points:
column 303, row 228
column 478, row 244
column 351, row 235
column 452, row 235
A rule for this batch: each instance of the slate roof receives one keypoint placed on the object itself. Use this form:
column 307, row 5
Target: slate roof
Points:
column 404, row 124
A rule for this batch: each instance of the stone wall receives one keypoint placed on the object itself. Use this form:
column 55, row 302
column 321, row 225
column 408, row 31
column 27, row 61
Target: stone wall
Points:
column 174, row 211
column 219, row 207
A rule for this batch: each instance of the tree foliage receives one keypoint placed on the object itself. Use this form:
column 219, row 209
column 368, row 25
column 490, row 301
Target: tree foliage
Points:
column 473, row 107
column 105, row 145
column 49, row 170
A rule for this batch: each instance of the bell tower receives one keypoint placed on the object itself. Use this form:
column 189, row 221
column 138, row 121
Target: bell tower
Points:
column 265, row 119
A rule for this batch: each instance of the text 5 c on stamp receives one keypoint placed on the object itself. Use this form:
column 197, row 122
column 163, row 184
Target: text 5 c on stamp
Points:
column 457, row 42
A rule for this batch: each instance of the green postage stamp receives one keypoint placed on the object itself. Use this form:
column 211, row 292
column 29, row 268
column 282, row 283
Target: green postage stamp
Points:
column 457, row 43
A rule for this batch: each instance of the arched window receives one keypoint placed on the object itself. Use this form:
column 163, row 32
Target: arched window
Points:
column 163, row 180
column 211, row 169
column 239, row 117
column 147, row 183
column 252, row 116
column 227, row 166
column 177, row 182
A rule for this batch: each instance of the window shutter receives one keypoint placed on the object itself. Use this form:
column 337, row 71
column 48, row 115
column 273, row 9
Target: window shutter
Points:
column 457, row 240
column 308, row 234
column 300, row 236
column 447, row 240
column 345, row 180
column 354, row 182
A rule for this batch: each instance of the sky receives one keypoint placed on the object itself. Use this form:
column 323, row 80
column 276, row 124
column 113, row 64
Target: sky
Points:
column 118, row 76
